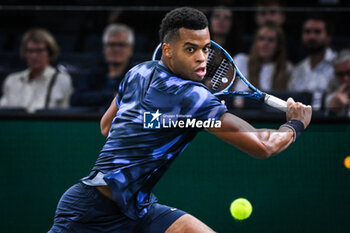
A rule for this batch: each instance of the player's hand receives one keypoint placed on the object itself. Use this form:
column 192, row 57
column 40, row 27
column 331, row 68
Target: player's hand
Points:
column 298, row 111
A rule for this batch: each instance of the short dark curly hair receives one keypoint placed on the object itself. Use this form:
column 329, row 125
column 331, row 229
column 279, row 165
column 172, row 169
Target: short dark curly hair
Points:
column 183, row 17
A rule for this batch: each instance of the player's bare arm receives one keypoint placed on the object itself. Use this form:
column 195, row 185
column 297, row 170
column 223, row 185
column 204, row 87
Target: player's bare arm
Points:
column 107, row 118
column 262, row 143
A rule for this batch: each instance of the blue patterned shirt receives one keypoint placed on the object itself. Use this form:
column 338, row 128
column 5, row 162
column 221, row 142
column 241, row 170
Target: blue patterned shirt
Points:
column 135, row 157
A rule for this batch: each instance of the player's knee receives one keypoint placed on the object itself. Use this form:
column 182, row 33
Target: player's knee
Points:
column 189, row 224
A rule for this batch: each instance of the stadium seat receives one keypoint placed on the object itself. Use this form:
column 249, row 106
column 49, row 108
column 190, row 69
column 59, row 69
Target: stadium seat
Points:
column 340, row 42
column 66, row 42
column 68, row 111
column 78, row 79
column 93, row 43
column 78, row 62
column 78, row 65
column 11, row 110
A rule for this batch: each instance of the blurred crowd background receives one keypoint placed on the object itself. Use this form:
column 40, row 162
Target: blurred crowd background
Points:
column 71, row 56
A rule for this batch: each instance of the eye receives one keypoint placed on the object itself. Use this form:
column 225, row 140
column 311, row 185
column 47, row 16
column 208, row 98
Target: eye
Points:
column 206, row 49
column 190, row 49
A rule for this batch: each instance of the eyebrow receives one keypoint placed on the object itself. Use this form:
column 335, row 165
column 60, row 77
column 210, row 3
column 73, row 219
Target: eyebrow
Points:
column 195, row 45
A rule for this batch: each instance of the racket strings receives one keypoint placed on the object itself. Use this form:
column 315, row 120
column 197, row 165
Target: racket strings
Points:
column 217, row 68
column 210, row 64
column 220, row 73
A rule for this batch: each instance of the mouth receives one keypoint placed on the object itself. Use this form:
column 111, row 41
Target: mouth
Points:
column 201, row 71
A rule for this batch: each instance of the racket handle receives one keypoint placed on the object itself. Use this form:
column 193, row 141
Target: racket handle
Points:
column 275, row 102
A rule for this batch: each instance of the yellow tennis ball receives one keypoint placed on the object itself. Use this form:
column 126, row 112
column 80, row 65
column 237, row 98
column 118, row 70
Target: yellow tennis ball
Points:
column 241, row 209
column 347, row 162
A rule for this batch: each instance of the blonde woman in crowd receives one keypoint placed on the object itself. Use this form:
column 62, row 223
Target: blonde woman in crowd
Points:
column 40, row 86
column 267, row 66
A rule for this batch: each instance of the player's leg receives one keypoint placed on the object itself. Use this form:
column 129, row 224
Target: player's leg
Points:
column 83, row 209
column 188, row 224
column 162, row 218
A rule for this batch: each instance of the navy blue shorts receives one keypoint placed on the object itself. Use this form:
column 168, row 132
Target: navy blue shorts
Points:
column 83, row 209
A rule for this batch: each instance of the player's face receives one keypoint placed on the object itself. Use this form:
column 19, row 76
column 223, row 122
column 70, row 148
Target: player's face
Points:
column 36, row 55
column 266, row 43
column 342, row 73
column 189, row 53
column 220, row 22
column 315, row 37
column 270, row 14
column 117, row 48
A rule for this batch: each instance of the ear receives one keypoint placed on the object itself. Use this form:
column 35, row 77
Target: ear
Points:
column 167, row 50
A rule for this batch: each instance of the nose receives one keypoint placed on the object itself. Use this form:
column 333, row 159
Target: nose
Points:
column 269, row 18
column 32, row 56
column 201, row 56
column 311, row 35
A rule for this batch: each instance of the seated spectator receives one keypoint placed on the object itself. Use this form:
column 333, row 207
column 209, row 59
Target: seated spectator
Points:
column 338, row 92
column 271, row 11
column 267, row 66
column 40, row 86
column 222, row 30
column 101, row 85
column 314, row 72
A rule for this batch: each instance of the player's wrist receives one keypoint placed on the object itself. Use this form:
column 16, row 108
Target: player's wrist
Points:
column 296, row 126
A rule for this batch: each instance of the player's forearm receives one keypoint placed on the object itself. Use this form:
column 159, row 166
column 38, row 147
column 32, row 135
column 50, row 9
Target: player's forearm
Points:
column 275, row 141
column 106, row 121
column 262, row 143
column 259, row 143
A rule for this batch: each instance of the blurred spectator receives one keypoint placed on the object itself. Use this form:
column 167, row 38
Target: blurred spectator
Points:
column 271, row 11
column 338, row 91
column 314, row 72
column 100, row 87
column 222, row 30
column 40, row 86
column 267, row 66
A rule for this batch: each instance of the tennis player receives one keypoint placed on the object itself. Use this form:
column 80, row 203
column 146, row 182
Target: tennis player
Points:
column 116, row 196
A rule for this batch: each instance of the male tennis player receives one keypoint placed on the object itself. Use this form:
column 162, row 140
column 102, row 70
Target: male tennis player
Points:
column 116, row 196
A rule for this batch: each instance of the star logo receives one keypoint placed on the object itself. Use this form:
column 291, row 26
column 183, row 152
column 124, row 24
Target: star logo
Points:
column 151, row 120
column 156, row 115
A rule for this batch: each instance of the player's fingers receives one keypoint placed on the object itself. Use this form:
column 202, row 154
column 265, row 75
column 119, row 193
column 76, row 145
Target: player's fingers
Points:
column 290, row 101
column 297, row 106
column 300, row 104
column 307, row 108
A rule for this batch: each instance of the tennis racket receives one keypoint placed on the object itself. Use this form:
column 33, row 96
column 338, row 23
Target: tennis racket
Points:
column 221, row 74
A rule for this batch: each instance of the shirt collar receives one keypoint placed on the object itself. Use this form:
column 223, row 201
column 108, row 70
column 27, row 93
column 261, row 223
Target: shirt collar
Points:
column 47, row 72
column 328, row 58
column 163, row 65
